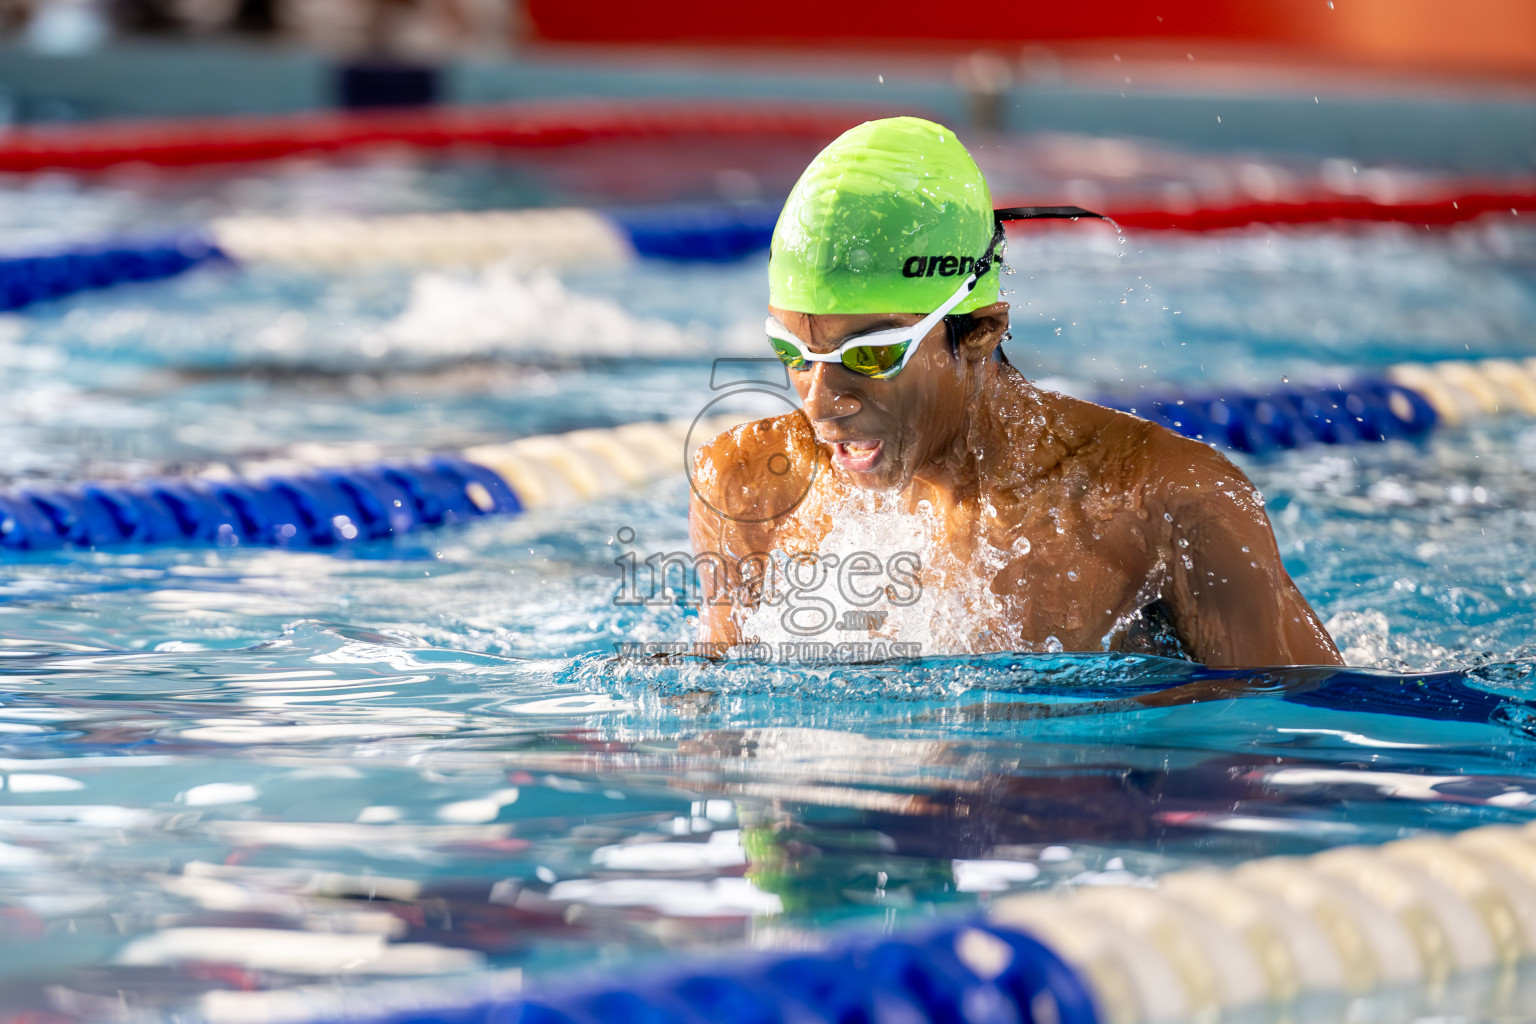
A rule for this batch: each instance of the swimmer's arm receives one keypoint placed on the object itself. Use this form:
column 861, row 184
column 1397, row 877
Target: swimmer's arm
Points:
column 736, row 471
column 707, row 531
column 1232, row 602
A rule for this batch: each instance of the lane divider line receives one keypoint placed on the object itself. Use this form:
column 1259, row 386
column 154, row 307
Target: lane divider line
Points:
column 1277, row 932
column 1451, row 205
column 565, row 238
column 199, row 142
column 1365, row 410
column 28, row 280
column 1460, row 389
column 532, row 239
column 1431, row 925
column 527, row 239
column 971, row 971
column 322, row 507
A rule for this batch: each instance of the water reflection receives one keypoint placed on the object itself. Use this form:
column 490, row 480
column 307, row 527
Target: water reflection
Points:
column 346, row 804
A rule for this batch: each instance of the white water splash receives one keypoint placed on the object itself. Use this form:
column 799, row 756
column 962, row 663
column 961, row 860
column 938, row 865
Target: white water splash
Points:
column 933, row 598
column 502, row 311
column 1366, row 640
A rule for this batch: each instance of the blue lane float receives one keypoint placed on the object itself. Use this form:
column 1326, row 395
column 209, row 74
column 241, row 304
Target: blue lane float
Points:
column 27, row 280
column 701, row 233
column 1362, row 412
column 976, row 973
column 320, row 509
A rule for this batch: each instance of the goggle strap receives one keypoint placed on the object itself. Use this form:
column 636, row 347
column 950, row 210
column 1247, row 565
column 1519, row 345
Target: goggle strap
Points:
column 1026, row 213
column 1044, row 213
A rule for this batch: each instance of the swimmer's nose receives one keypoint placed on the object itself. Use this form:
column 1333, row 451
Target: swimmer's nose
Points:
column 826, row 400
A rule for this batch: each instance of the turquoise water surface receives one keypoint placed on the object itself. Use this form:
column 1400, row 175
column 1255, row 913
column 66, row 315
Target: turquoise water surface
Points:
column 233, row 774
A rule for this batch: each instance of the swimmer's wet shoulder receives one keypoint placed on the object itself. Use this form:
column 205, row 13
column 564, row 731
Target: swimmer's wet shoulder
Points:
column 1093, row 529
column 1231, row 599
column 1134, row 530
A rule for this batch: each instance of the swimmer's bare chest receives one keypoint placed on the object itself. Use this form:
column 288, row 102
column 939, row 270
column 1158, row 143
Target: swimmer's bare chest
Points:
column 1077, row 559
column 1084, row 566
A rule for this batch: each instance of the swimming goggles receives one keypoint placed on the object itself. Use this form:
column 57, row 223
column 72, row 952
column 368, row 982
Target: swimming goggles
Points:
column 883, row 354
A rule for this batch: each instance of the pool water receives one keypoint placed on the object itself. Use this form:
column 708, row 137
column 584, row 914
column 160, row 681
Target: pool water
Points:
column 251, row 784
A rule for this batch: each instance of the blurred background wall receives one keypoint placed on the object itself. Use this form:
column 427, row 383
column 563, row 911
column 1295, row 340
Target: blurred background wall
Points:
column 1416, row 81
column 1480, row 37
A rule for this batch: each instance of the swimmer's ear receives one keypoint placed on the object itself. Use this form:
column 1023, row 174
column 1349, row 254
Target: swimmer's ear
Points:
column 989, row 326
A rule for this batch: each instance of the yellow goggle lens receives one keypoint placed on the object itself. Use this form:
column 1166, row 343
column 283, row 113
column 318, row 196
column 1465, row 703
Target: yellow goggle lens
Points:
column 878, row 361
column 788, row 354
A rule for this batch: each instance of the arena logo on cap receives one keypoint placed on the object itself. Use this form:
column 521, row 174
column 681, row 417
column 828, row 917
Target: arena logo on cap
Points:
column 943, row 266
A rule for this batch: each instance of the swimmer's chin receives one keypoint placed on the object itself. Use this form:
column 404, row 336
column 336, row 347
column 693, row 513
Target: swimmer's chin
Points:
column 858, row 457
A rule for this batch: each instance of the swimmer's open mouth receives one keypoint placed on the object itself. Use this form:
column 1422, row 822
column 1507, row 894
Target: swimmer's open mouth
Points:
column 857, row 456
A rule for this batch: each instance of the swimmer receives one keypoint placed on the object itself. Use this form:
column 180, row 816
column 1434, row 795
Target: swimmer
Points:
column 1089, row 529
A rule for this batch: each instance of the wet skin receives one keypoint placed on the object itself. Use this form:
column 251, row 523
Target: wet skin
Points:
column 1092, row 515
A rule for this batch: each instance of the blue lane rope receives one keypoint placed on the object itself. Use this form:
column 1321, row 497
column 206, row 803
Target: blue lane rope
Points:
column 714, row 233
column 920, row 977
column 1366, row 410
column 27, row 280
column 711, row 232
column 326, row 507
column 310, row 510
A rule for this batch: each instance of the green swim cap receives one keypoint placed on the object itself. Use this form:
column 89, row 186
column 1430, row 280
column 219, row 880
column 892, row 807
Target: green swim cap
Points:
column 883, row 221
